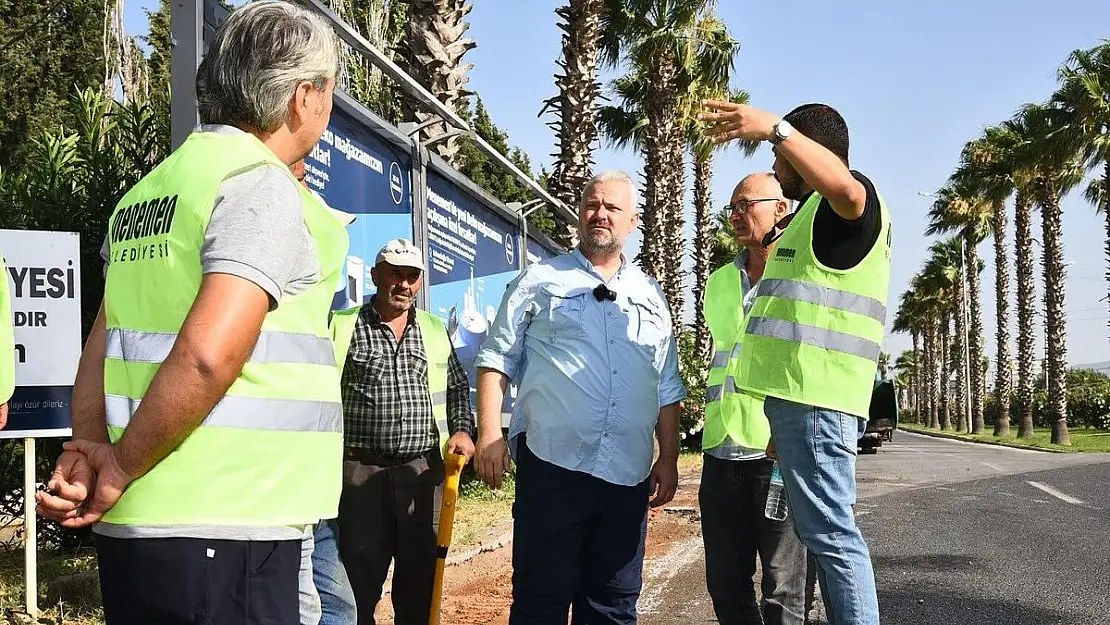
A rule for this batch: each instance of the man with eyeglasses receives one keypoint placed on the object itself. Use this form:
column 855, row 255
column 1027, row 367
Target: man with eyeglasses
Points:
column 736, row 472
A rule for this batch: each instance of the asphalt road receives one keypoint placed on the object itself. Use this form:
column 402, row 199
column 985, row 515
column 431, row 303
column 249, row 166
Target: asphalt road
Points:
column 959, row 533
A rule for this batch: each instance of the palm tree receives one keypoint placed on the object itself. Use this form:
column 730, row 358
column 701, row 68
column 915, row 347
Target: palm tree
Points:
column 960, row 208
column 979, row 173
column 704, row 235
column 707, row 73
column 575, row 107
column 435, row 48
column 1055, row 167
column 943, row 271
column 1085, row 94
column 884, row 363
column 653, row 37
column 906, row 378
column 677, row 52
column 910, row 318
column 996, row 166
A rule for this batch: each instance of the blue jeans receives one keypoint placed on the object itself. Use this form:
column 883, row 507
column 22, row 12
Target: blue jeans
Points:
column 816, row 449
column 326, row 596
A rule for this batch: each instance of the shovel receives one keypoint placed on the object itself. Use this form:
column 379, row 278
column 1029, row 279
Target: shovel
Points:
column 453, row 466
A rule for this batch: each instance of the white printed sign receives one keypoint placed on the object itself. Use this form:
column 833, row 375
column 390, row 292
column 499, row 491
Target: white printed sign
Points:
column 44, row 283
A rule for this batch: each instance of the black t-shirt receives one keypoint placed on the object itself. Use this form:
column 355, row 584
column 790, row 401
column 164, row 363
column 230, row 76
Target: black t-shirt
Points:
column 842, row 244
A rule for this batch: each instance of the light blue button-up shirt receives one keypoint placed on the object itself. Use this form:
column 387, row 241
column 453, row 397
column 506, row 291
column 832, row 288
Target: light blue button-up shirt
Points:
column 592, row 375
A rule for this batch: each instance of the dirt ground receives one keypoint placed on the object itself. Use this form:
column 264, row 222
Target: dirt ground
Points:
column 479, row 591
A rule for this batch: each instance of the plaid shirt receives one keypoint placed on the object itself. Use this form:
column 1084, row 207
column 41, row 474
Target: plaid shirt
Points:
column 387, row 408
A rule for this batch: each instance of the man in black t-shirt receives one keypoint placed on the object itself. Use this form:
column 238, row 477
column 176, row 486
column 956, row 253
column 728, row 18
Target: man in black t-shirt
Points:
column 811, row 346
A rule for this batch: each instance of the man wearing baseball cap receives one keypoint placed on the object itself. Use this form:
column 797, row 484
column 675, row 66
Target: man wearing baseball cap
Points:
column 406, row 401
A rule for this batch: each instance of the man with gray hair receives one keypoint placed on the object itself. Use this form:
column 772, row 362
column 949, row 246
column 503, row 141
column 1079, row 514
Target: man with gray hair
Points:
column 207, row 415
column 587, row 337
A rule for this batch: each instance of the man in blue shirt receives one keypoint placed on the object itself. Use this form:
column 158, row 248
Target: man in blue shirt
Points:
column 587, row 337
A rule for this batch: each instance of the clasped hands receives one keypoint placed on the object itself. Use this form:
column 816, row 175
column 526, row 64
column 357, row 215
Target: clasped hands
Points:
column 87, row 481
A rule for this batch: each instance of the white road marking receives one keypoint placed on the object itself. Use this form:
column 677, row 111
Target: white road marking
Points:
column 991, row 466
column 663, row 570
column 1055, row 493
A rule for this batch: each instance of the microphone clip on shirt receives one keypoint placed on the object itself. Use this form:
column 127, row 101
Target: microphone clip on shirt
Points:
column 603, row 292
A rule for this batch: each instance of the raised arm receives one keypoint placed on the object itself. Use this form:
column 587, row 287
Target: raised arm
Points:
column 821, row 169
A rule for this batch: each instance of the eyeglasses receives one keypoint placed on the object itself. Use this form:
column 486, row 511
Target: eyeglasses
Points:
column 742, row 206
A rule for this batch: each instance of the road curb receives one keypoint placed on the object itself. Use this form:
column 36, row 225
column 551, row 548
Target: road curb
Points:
column 498, row 542
column 961, row 439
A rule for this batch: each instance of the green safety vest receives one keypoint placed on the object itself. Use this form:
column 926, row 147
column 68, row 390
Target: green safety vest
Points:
column 729, row 412
column 437, row 349
column 814, row 333
column 7, row 338
column 268, row 454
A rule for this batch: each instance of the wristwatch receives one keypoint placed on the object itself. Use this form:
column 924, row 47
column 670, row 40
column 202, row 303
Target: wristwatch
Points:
column 780, row 131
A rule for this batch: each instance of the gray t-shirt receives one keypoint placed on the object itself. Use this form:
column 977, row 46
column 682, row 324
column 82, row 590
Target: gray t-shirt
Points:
column 257, row 232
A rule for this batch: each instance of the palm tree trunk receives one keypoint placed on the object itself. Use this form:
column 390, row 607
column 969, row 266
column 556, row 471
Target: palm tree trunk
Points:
column 1106, row 216
column 675, row 228
column 578, row 86
column 703, row 247
column 1003, row 364
column 957, row 356
column 915, row 377
column 1026, row 301
column 945, row 375
column 975, row 333
column 1054, row 312
column 661, row 108
column 930, row 374
column 436, row 45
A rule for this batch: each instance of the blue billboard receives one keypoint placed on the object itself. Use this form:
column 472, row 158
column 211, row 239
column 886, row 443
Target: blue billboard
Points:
column 357, row 171
column 473, row 255
column 538, row 251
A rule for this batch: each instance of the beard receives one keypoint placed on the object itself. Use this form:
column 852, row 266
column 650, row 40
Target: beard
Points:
column 793, row 187
column 594, row 242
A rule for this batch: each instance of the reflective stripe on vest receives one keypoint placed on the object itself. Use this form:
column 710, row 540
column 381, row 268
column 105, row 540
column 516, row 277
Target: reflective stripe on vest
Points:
column 136, row 346
column 814, row 334
column 437, row 350
column 269, row 452
column 817, row 337
column 233, row 411
column 715, row 392
column 7, row 338
column 721, row 357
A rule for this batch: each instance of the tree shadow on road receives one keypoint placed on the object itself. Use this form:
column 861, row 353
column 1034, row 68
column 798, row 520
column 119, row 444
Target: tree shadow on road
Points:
column 907, row 606
column 934, row 563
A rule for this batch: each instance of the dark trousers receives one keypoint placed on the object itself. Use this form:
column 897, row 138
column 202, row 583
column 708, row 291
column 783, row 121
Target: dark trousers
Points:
column 734, row 528
column 147, row 581
column 576, row 540
column 389, row 513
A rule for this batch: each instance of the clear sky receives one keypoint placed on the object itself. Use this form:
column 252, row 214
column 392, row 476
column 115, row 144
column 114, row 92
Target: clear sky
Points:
column 914, row 83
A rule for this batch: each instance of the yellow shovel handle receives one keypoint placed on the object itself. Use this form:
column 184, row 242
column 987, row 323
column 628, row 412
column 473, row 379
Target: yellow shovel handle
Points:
column 453, row 465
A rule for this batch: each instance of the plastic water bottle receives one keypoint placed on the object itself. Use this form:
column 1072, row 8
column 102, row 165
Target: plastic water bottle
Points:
column 776, row 508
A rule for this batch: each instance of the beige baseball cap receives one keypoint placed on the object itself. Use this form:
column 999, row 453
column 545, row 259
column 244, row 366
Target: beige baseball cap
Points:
column 401, row 253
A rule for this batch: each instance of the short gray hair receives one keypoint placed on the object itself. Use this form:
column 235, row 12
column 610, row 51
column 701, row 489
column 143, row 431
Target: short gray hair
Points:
column 256, row 60
column 610, row 175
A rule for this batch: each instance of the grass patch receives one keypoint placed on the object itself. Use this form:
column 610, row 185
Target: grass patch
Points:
column 50, row 567
column 689, row 461
column 481, row 508
column 1082, row 439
